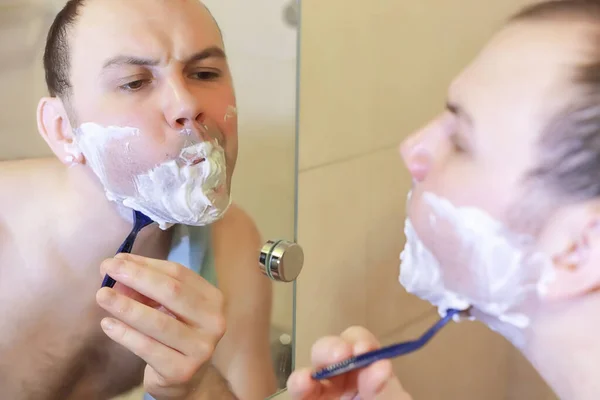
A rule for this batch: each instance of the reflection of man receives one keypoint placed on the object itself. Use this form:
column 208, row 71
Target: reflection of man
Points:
column 142, row 110
column 505, row 210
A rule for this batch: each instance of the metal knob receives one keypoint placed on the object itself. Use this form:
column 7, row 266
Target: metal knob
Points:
column 281, row 260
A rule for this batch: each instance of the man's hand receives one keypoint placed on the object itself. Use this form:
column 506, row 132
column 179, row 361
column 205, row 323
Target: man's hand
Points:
column 374, row 382
column 167, row 315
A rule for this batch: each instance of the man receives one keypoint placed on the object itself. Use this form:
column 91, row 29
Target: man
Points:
column 504, row 213
column 140, row 116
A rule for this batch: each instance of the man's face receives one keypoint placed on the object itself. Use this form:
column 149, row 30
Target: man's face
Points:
column 157, row 66
column 478, row 152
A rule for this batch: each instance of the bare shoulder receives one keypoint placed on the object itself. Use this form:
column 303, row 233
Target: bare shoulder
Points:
column 22, row 187
column 236, row 229
column 20, row 178
column 16, row 200
column 236, row 244
column 248, row 294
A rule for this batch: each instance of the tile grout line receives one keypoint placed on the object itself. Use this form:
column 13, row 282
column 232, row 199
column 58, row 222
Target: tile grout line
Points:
column 398, row 330
column 346, row 159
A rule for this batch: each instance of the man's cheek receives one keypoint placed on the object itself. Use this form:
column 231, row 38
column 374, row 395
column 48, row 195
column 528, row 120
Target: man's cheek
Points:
column 230, row 115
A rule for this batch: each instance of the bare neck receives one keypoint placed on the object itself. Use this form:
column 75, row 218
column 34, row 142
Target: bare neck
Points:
column 70, row 212
column 565, row 348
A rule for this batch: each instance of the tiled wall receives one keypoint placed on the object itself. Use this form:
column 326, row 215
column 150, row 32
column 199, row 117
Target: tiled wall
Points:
column 371, row 73
column 22, row 32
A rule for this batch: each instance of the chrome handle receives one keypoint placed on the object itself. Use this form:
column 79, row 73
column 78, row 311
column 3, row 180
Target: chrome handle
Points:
column 282, row 261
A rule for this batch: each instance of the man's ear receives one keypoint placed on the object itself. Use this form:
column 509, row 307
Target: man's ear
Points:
column 55, row 128
column 577, row 266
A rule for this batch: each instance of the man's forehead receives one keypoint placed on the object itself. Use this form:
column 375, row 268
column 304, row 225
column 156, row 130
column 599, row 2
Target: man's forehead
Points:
column 526, row 64
column 153, row 23
column 143, row 8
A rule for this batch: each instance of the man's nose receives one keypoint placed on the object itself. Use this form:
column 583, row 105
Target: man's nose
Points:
column 416, row 157
column 421, row 150
column 183, row 108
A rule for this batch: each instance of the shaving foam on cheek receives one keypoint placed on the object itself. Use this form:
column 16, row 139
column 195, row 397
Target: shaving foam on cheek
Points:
column 483, row 265
column 188, row 194
column 189, row 188
column 92, row 141
column 230, row 113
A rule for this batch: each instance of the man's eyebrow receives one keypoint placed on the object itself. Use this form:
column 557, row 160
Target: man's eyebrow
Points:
column 129, row 60
column 458, row 111
column 211, row 52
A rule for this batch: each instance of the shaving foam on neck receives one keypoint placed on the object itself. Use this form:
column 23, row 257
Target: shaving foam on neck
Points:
column 474, row 261
column 187, row 187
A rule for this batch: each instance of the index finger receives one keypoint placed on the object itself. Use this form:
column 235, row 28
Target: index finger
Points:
column 330, row 350
column 362, row 340
column 189, row 304
column 301, row 386
column 170, row 269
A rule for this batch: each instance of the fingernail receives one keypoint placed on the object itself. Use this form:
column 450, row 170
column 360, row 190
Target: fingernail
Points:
column 339, row 351
column 106, row 296
column 107, row 324
column 116, row 267
column 361, row 348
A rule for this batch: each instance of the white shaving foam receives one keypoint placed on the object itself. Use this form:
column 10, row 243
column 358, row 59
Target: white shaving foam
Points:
column 230, row 113
column 174, row 192
column 190, row 194
column 92, row 139
column 493, row 270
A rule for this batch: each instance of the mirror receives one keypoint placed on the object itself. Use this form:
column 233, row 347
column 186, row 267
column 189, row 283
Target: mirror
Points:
column 102, row 129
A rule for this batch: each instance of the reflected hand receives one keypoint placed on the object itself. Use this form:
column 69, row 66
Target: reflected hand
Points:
column 374, row 382
column 167, row 315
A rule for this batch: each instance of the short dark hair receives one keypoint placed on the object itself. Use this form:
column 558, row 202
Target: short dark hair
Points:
column 57, row 58
column 568, row 166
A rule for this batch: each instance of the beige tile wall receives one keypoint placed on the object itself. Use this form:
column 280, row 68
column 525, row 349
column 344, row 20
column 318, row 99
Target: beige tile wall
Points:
column 262, row 51
column 371, row 72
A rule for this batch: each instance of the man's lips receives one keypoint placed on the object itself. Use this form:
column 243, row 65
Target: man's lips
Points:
column 196, row 161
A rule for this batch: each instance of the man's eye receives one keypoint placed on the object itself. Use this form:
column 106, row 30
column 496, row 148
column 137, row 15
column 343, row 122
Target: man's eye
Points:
column 206, row 75
column 458, row 144
column 134, row 86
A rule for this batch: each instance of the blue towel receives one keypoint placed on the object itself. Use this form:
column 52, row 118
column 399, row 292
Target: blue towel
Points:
column 192, row 247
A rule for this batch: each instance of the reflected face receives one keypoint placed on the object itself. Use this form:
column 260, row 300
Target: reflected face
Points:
column 478, row 152
column 158, row 67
